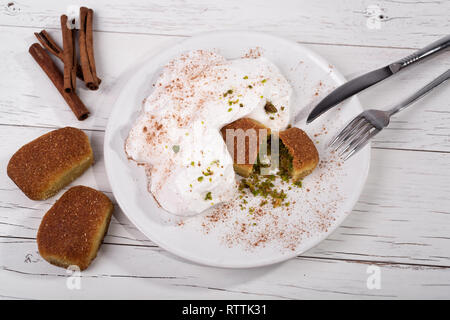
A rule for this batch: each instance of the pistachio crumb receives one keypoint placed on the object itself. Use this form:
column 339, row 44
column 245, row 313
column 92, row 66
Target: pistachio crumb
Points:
column 176, row 148
column 270, row 108
column 228, row 92
column 298, row 183
column 208, row 172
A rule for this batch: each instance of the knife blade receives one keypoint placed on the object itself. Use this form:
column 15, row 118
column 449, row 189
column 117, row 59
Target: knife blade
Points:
column 366, row 80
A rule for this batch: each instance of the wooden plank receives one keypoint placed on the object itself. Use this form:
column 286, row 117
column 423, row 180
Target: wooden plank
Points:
column 402, row 215
column 401, row 222
column 28, row 98
column 397, row 23
column 155, row 275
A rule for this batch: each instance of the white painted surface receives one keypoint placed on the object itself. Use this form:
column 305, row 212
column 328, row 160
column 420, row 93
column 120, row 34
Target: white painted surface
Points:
column 401, row 222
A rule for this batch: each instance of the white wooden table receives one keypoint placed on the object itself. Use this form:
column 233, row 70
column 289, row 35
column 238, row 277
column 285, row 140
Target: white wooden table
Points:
column 401, row 223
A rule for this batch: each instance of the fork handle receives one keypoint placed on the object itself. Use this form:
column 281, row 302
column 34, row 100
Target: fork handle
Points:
column 429, row 50
column 430, row 86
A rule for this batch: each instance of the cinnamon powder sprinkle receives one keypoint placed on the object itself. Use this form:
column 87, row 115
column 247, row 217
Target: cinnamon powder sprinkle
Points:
column 244, row 222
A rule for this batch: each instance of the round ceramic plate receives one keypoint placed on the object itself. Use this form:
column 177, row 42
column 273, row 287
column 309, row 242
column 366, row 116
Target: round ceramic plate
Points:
column 234, row 235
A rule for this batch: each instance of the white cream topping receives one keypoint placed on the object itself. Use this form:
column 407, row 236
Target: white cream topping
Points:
column 178, row 131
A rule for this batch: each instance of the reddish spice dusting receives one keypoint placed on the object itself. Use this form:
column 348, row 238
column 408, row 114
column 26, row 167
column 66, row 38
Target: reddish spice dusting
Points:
column 253, row 53
column 286, row 226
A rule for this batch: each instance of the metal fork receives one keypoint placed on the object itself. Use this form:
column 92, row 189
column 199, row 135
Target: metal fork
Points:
column 370, row 122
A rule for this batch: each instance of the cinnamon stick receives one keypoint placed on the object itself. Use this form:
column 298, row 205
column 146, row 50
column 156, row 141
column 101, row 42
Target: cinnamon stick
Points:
column 47, row 41
column 50, row 68
column 68, row 55
column 86, row 45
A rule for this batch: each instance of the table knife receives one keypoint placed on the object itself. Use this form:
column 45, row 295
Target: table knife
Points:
column 366, row 80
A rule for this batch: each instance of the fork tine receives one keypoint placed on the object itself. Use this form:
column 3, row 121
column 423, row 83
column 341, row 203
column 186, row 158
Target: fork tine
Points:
column 355, row 141
column 354, row 135
column 343, row 132
column 347, row 133
column 361, row 143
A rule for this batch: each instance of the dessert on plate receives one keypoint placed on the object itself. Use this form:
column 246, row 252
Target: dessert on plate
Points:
column 298, row 154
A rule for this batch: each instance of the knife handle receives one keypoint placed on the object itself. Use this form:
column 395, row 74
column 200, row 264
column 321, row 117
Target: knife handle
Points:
column 427, row 51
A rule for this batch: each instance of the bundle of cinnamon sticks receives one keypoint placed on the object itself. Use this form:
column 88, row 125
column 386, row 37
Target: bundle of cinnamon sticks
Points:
column 85, row 70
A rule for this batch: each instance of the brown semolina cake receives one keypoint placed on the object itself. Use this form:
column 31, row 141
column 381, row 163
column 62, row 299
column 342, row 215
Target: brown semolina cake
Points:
column 72, row 230
column 246, row 168
column 47, row 164
column 298, row 154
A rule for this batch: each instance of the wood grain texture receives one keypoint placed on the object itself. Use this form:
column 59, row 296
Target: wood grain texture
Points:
column 401, row 23
column 156, row 275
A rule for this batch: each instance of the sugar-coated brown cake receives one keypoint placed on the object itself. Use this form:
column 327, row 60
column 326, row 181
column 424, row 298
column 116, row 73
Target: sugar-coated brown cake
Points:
column 72, row 230
column 47, row 164
column 246, row 168
column 302, row 153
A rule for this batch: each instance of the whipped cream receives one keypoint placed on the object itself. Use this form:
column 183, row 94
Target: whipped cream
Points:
column 177, row 135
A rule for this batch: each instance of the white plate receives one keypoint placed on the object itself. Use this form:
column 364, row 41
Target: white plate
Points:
column 338, row 189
